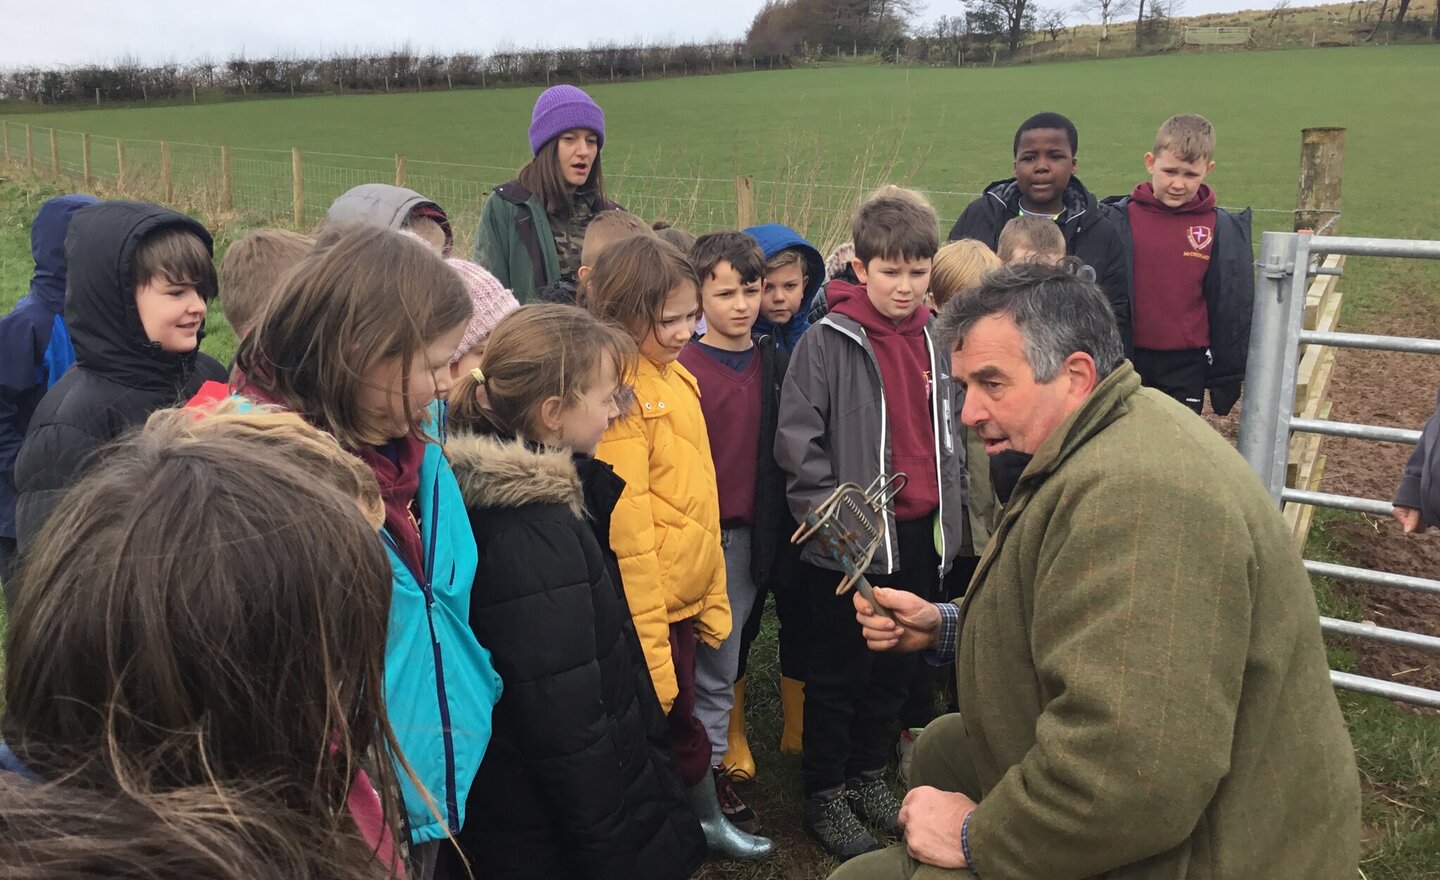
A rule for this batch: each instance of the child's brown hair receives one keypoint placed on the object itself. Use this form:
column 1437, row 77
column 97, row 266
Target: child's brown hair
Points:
column 202, row 614
column 741, row 251
column 370, row 296
column 252, row 269
column 1189, row 136
column 179, row 256
column 960, row 265
column 895, row 223
column 607, row 228
column 536, row 352
column 288, row 437
column 1040, row 236
column 631, row 280
column 678, row 237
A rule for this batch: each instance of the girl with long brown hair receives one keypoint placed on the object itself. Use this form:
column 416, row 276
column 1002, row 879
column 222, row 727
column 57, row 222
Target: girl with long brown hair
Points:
column 533, row 228
column 198, row 645
column 358, row 342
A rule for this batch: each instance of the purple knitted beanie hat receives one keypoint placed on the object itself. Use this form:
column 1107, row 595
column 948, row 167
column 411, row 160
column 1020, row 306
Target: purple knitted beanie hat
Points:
column 561, row 108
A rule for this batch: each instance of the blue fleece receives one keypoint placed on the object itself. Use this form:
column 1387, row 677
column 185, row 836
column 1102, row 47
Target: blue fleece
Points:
column 35, row 348
column 774, row 238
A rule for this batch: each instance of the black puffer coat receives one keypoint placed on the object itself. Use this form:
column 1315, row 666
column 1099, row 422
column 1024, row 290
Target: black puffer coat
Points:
column 577, row 780
column 1089, row 234
column 120, row 377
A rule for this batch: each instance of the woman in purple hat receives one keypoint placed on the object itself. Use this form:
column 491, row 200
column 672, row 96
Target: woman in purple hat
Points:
column 532, row 228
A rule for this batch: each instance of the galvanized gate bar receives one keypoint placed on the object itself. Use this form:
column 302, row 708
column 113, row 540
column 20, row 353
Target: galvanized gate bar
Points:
column 1338, row 502
column 1359, row 432
column 1374, row 247
column 1267, row 421
column 1370, row 340
column 1371, row 576
column 1389, row 689
column 1380, row 634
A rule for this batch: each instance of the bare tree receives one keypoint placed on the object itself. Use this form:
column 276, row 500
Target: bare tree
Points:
column 1017, row 16
column 1278, row 11
column 1052, row 22
column 1106, row 10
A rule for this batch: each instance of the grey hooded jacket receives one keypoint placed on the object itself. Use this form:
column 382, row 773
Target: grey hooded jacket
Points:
column 833, row 429
column 1420, row 486
column 380, row 204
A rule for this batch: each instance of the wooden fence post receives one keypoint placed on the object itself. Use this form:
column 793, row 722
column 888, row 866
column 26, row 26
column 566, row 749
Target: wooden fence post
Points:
column 54, row 151
column 30, row 146
column 227, row 181
column 297, row 171
column 85, row 159
column 120, row 162
column 399, row 169
column 167, row 186
column 744, row 201
column 5, row 126
column 1322, row 162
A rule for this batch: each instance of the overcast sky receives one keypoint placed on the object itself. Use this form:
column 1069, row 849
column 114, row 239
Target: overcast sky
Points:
column 81, row 31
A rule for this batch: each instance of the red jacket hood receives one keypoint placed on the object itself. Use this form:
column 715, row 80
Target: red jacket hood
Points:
column 852, row 301
column 1204, row 201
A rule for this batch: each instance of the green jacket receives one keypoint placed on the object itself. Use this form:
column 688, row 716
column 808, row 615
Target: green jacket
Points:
column 1140, row 668
column 515, row 241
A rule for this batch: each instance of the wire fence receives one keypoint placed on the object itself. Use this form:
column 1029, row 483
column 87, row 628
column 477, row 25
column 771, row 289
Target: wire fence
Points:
column 815, row 194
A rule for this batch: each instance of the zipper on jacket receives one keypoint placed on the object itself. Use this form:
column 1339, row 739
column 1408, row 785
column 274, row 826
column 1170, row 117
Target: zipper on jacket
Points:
column 937, row 418
column 890, row 524
column 452, row 804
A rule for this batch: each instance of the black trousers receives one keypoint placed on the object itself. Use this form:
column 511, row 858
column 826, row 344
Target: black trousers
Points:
column 794, row 616
column 919, row 709
column 1180, row 374
column 853, row 695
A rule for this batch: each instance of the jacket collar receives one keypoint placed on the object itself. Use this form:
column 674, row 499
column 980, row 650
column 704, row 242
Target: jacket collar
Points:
column 1078, row 200
column 1106, row 403
column 503, row 472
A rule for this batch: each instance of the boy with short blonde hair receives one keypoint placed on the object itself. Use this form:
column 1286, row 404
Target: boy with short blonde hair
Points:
column 1033, row 238
column 606, row 229
column 868, row 392
column 251, row 270
column 1191, row 270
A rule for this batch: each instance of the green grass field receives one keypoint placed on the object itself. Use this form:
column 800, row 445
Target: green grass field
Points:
column 942, row 130
column 833, row 132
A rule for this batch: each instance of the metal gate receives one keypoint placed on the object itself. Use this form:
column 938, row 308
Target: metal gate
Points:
column 1267, row 417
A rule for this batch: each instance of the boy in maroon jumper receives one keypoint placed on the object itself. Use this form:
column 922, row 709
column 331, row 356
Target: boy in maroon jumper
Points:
column 1191, row 271
column 868, row 392
column 739, row 380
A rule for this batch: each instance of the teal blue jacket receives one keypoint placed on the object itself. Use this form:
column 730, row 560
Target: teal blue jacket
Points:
column 440, row 684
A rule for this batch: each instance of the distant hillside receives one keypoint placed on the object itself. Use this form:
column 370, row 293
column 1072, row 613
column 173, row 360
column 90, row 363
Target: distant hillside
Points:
column 1337, row 24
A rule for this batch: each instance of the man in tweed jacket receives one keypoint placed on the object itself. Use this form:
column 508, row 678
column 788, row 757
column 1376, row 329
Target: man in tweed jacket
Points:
column 1142, row 684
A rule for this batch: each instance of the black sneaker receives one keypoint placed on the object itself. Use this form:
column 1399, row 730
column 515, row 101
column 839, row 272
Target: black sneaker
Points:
column 871, row 799
column 736, row 810
column 829, row 819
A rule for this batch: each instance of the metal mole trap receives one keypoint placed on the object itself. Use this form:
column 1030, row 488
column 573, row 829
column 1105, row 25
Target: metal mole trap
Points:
column 850, row 526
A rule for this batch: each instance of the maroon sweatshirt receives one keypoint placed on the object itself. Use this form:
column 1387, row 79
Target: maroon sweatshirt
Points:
column 730, row 400
column 1171, row 252
column 905, row 378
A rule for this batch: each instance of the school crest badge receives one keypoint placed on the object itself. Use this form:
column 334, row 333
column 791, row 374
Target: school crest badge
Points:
column 1200, row 237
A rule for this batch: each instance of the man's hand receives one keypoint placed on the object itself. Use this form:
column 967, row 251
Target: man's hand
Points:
column 932, row 820
column 1409, row 519
column 916, row 625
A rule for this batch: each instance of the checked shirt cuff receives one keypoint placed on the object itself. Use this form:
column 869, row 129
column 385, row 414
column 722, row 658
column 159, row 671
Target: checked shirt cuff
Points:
column 943, row 654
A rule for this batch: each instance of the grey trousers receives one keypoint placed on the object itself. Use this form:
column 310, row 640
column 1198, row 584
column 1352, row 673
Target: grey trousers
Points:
column 715, row 668
column 940, row 761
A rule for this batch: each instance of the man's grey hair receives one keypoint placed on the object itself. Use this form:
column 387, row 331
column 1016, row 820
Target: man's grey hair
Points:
column 1056, row 313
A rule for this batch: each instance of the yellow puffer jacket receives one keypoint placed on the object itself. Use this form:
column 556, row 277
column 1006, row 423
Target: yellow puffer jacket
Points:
column 666, row 528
